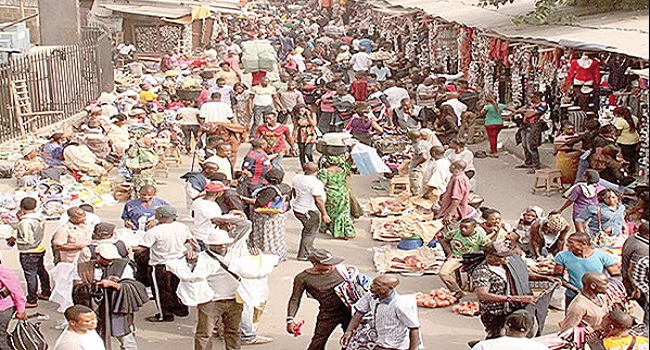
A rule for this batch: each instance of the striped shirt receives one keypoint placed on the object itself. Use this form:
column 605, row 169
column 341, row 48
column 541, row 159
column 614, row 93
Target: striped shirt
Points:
column 640, row 276
column 394, row 317
column 257, row 164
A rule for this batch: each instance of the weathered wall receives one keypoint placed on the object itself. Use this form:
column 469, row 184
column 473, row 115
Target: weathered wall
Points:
column 10, row 13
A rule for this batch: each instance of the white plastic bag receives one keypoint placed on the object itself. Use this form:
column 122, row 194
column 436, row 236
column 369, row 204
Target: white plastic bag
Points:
column 367, row 160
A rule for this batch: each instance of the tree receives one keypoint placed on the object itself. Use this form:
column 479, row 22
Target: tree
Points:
column 551, row 10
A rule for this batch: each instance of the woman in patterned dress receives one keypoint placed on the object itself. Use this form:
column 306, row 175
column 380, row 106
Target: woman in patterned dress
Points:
column 242, row 108
column 334, row 175
column 269, row 224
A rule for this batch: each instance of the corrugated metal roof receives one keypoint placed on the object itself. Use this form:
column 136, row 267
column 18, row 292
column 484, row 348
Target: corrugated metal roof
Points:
column 624, row 32
column 148, row 10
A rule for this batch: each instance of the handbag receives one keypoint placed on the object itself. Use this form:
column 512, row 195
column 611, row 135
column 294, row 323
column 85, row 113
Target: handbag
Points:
column 603, row 238
column 27, row 336
column 354, row 286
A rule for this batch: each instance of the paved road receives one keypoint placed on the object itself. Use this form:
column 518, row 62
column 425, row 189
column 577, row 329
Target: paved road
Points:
column 497, row 181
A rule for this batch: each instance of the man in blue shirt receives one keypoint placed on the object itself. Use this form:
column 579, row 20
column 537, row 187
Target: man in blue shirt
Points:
column 142, row 207
column 580, row 258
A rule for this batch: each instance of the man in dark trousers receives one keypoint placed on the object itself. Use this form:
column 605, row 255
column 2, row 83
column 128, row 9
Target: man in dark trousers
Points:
column 319, row 281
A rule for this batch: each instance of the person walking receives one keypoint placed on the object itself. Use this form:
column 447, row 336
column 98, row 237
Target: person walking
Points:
column 13, row 303
column 167, row 241
column 395, row 316
column 29, row 240
column 69, row 239
column 263, row 96
column 319, row 281
column 580, row 258
column 223, row 307
column 309, row 206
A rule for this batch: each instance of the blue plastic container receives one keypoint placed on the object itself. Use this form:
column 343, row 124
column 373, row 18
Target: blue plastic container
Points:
column 410, row 243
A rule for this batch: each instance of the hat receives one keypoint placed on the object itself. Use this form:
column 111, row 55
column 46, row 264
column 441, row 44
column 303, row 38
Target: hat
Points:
column 322, row 256
column 131, row 93
column 28, row 149
column 104, row 228
column 167, row 211
column 107, row 251
column 172, row 73
column 298, row 50
column 499, row 248
column 215, row 187
column 218, row 236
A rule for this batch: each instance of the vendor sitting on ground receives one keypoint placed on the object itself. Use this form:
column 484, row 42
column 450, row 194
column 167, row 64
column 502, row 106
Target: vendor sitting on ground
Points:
column 27, row 170
column 468, row 238
column 79, row 158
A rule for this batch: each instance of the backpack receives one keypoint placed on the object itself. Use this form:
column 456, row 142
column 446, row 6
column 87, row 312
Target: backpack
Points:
column 27, row 336
column 6, row 171
column 277, row 205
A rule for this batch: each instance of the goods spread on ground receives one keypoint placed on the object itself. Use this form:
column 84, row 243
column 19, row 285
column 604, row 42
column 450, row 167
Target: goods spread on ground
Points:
column 392, row 229
column 423, row 260
column 441, row 297
column 466, row 308
column 384, row 206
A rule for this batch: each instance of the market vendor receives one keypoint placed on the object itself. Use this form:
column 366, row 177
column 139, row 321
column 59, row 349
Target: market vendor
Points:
column 80, row 159
column 27, row 170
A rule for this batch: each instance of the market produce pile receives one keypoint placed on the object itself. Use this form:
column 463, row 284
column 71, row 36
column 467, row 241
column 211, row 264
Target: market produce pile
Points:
column 467, row 308
column 437, row 298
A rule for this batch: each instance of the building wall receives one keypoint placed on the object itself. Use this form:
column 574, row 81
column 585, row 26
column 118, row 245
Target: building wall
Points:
column 59, row 21
column 10, row 13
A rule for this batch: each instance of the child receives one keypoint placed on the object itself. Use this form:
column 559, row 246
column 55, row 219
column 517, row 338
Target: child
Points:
column 468, row 238
column 29, row 239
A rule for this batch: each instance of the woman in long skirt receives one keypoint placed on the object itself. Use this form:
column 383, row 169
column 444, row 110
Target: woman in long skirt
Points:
column 334, row 176
column 269, row 220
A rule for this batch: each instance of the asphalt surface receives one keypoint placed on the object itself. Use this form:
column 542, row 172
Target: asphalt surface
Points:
column 498, row 182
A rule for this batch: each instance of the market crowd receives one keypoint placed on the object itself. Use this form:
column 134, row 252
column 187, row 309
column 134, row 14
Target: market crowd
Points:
column 311, row 82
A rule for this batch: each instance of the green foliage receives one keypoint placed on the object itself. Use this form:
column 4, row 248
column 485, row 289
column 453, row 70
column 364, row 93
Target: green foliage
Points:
column 548, row 10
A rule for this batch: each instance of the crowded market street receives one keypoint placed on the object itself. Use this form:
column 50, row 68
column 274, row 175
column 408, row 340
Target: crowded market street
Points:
column 506, row 189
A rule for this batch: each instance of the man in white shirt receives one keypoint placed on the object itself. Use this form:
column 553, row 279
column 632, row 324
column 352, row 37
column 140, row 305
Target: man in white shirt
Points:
column 223, row 307
column 395, row 316
column 360, row 61
column 459, row 107
column 264, row 97
column 308, row 207
column 394, row 94
column 80, row 333
column 216, row 111
column 222, row 159
column 436, row 173
column 205, row 209
column 168, row 240
column 225, row 90
column 518, row 325
column 382, row 72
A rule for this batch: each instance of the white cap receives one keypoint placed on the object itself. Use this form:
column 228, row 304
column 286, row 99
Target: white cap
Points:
column 107, row 251
column 218, row 237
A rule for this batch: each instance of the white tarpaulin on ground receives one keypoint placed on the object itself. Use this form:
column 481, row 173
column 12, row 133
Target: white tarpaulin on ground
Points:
column 623, row 32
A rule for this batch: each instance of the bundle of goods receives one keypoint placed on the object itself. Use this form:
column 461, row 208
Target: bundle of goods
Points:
column 123, row 78
column 542, row 266
column 437, row 298
column 382, row 56
column 386, row 144
column 382, row 229
column 411, row 262
column 466, row 308
column 411, row 225
column 258, row 55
